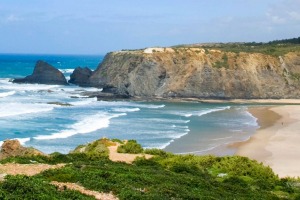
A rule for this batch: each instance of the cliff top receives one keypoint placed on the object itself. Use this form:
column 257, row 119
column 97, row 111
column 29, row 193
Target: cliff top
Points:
column 274, row 48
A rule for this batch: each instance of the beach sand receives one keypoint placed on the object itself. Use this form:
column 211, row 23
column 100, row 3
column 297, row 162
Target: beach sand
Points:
column 276, row 142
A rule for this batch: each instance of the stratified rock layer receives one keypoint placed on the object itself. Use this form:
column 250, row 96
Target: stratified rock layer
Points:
column 199, row 73
column 44, row 73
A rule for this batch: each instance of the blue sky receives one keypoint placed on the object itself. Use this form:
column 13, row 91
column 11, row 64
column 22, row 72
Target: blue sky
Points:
column 100, row 26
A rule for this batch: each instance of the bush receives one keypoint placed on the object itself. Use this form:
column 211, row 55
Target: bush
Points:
column 147, row 179
column 156, row 152
column 24, row 187
column 201, row 162
column 238, row 166
column 131, row 146
column 95, row 149
column 165, row 176
column 142, row 161
column 117, row 140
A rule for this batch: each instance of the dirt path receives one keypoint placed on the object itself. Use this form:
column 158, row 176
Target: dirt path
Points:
column 26, row 169
column 124, row 157
column 74, row 186
column 33, row 169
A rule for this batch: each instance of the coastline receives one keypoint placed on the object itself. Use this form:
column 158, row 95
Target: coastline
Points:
column 276, row 142
column 110, row 97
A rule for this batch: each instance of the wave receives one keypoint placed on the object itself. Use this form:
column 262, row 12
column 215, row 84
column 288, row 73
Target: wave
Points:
column 167, row 121
column 6, row 84
column 86, row 125
column 221, row 138
column 14, row 109
column 22, row 140
column 197, row 152
column 126, row 109
column 201, row 112
column 6, row 94
column 84, row 102
column 130, row 104
column 163, row 146
column 179, row 127
column 67, row 71
column 151, row 106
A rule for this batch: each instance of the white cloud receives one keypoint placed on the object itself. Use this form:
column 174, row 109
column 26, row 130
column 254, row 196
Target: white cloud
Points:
column 295, row 15
column 275, row 18
column 284, row 12
column 13, row 18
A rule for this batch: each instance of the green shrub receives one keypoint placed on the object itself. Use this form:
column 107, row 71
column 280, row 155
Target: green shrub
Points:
column 147, row 179
column 95, row 149
column 223, row 63
column 142, row 161
column 117, row 140
column 237, row 166
column 24, row 187
column 131, row 146
column 157, row 152
column 164, row 176
column 201, row 162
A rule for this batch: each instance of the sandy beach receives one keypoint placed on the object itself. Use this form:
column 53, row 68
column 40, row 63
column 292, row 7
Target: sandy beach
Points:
column 276, row 142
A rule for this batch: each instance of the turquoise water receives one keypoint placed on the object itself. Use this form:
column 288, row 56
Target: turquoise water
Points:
column 25, row 114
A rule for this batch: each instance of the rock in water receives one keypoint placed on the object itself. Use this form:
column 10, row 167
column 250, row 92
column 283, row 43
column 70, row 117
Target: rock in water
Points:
column 44, row 73
column 80, row 76
column 12, row 148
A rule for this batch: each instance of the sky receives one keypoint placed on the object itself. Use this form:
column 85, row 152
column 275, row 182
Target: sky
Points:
column 101, row 26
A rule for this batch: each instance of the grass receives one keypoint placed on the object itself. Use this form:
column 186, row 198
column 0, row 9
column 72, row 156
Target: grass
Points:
column 273, row 48
column 269, row 49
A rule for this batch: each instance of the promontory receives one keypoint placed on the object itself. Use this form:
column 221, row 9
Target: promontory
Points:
column 212, row 72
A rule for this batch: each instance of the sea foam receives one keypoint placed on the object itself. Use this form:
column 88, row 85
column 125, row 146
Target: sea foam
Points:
column 126, row 109
column 66, row 71
column 14, row 109
column 6, row 94
column 200, row 112
column 86, row 125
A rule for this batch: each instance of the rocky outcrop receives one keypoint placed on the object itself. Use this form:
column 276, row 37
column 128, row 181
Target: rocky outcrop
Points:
column 12, row 148
column 44, row 73
column 199, row 73
column 80, row 76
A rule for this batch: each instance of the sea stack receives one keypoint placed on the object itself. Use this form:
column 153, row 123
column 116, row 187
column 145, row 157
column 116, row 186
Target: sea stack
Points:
column 80, row 76
column 44, row 73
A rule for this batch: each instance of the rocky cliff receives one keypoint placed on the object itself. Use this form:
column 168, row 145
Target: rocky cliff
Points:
column 44, row 73
column 80, row 76
column 200, row 73
column 12, row 148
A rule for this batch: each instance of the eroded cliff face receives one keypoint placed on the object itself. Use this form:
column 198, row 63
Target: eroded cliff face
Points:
column 195, row 72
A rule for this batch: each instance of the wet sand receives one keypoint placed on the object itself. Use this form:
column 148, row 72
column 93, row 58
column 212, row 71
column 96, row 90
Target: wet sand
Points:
column 276, row 142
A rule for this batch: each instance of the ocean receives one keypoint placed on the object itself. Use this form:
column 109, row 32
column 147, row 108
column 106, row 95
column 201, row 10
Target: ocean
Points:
column 32, row 114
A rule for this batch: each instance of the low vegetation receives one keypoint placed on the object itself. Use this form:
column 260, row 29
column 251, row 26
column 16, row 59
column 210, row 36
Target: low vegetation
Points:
column 274, row 48
column 165, row 176
column 131, row 146
column 295, row 76
column 24, row 187
column 222, row 63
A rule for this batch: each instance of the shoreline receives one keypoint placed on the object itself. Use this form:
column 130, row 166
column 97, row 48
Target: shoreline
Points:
column 203, row 100
column 276, row 142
